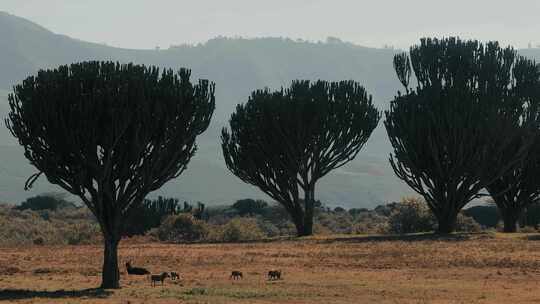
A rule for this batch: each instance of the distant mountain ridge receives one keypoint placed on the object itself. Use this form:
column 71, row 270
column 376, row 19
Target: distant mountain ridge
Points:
column 238, row 66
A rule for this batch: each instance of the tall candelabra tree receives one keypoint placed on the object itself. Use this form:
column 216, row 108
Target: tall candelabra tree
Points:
column 283, row 142
column 450, row 138
column 109, row 133
column 514, row 191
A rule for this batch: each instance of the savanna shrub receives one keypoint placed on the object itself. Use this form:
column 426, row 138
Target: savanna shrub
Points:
column 29, row 227
column 82, row 233
column 371, row 226
column 238, row 229
column 268, row 228
column 52, row 201
column 250, row 206
column 467, row 224
column 182, row 228
column 528, row 229
column 334, row 222
column 411, row 215
column 320, row 229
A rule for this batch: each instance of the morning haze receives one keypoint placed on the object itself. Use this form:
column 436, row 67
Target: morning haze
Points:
column 269, row 151
column 147, row 24
column 240, row 65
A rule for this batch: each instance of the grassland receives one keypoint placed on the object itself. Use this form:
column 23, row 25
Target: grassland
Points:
column 478, row 268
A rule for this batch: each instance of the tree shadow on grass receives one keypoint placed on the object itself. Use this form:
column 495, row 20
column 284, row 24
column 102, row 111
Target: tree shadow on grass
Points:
column 535, row 237
column 21, row 294
column 413, row 237
column 419, row 237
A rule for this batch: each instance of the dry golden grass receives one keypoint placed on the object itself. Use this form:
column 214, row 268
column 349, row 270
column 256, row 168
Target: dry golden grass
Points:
column 480, row 268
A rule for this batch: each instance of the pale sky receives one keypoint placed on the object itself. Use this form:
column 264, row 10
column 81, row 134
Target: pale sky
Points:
column 151, row 23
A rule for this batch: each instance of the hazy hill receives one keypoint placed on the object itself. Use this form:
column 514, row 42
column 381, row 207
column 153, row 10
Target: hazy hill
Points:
column 237, row 66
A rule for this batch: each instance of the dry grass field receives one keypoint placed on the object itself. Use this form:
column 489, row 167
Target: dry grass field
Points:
column 479, row 268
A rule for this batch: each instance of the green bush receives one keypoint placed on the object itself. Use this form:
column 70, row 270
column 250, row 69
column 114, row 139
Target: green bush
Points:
column 339, row 222
column 268, row 228
column 528, row 229
column 411, row 215
column 182, row 228
column 358, row 211
column 29, row 227
column 467, row 224
column 250, row 206
column 371, row 225
column 286, row 228
column 82, row 233
column 46, row 202
column 320, row 229
column 238, row 229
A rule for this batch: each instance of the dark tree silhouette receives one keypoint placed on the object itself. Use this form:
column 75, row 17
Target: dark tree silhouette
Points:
column 532, row 215
column 449, row 136
column 517, row 189
column 249, row 206
column 283, row 142
column 149, row 215
column 110, row 134
column 47, row 201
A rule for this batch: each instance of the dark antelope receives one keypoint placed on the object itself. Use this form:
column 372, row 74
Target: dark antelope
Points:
column 136, row 270
column 274, row 275
column 175, row 276
column 158, row 278
column 235, row 275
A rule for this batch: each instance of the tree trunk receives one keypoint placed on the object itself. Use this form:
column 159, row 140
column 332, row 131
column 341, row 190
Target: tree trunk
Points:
column 308, row 225
column 300, row 228
column 447, row 223
column 297, row 216
column 309, row 201
column 111, row 275
column 303, row 224
column 510, row 221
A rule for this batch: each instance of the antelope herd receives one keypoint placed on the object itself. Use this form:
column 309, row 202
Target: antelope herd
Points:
column 155, row 278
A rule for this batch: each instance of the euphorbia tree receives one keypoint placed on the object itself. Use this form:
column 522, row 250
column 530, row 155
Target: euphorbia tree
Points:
column 109, row 133
column 514, row 191
column 449, row 135
column 285, row 141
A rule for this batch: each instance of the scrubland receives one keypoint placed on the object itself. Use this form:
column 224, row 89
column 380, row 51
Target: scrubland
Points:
column 417, row 268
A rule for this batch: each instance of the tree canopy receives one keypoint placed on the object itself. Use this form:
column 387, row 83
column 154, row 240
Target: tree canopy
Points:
column 109, row 133
column 284, row 141
column 449, row 135
column 520, row 187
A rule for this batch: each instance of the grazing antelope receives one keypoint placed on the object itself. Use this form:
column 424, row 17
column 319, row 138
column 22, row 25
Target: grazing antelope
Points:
column 174, row 276
column 274, row 275
column 236, row 275
column 158, row 278
column 136, row 270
